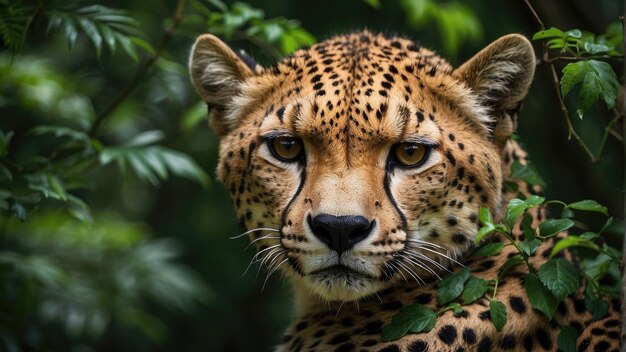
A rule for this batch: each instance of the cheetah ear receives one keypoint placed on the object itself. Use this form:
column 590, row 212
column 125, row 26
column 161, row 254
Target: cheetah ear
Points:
column 500, row 76
column 218, row 73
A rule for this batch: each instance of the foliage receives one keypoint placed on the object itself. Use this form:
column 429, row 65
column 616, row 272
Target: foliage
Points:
column 590, row 72
column 72, row 269
column 245, row 22
column 456, row 21
column 546, row 288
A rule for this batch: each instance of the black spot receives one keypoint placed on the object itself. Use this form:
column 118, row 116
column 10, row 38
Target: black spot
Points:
column 316, row 78
column 423, row 298
column 447, row 334
column 452, row 221
column 301, row 326
column 319, row 333
column 611, row 323
column 528, row 343
column 601, row 346
column 393, row 305
column 368, row 343
column 450, row 157
column 543, row 338
column 459, row 238
column 374, row 327
column 485, row 315
column 484, row 345
column 418, row 346
column 391, row 348
column 280, row 113
column 347, row 321
column 451, row 136
column 579, row 306
column 339, row 338
column 346, row 347
column 598, row 332
column 420, row 116
column 469, row 336
column 508, row 342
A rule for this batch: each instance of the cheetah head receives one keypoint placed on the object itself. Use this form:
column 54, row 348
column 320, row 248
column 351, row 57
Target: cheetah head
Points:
column 367, row 157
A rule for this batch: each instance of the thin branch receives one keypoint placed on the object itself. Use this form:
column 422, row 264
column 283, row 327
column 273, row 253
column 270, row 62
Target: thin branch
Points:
column 535, row 15
column 141, row 70
column 571, row 130
column 555, row 78
column 579, row 58
column 607, row 131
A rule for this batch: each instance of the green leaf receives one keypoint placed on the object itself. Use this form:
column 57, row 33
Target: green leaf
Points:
column 484, row 215
column 551, row 227
column 510, row 263
column 597, row 80
column 393, row 332
column 452, row 285
column 567, row 338
column 527, row 173
column 552, row 32
column 572, row 241
column 5, row 140
column 539, row 296
column 19, row 210
column 497, row 310
column 529, row 232
column 517, row 206
column 589, row 205
column 529, row 247
column 484, row 231
column 567, row 213
column 475, row 288
column 414, row 318
column 489, row 249
column 560, row 277
column 456, row 308
column 146, row 138
column 595, row 305
column 373, row 3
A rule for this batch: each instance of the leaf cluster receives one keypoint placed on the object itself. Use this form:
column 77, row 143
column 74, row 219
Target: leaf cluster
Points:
column 545, row 288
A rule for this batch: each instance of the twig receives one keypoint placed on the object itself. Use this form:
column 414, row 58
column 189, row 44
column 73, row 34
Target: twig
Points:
column 555, row 78
column 141, row 70
column 571, row 130
column 535, row 15
column 608, row 131
column 578, row 58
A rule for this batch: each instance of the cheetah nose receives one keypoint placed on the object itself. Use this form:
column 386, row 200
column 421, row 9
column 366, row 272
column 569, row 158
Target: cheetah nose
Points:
column 340, row 233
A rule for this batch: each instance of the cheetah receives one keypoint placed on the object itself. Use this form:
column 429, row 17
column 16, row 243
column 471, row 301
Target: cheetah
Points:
column 358, row 167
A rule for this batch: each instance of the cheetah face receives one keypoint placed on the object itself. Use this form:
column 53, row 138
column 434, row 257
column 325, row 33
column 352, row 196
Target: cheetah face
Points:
column 362, row 162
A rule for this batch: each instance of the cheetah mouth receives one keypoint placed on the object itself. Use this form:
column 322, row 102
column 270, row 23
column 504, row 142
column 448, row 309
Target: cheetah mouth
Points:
column 340, row 271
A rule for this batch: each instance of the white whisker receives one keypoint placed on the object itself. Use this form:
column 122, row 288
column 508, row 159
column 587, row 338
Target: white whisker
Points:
column 254, row 230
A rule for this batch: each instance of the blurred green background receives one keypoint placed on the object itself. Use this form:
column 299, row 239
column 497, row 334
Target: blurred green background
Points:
column 115, row 238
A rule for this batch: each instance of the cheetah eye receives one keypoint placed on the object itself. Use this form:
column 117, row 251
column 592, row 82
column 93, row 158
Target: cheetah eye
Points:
column 411, row 154
column 286, row 148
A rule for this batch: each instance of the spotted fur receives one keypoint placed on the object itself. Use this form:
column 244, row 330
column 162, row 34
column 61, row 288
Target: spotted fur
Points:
column 350, row 100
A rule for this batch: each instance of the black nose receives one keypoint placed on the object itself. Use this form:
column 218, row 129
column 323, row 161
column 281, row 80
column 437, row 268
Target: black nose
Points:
column 340, row 233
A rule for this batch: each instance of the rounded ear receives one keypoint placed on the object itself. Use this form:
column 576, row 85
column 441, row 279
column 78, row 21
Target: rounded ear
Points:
column 500, row 76
column 217, row 73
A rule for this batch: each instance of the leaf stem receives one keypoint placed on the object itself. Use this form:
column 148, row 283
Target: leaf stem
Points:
column 495, row 289
column 141, row 71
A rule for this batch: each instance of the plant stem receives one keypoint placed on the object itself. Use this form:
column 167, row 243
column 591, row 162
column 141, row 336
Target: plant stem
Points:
column 147, row 63
column 555, row 78
column 579, row 58
column 570, row 128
